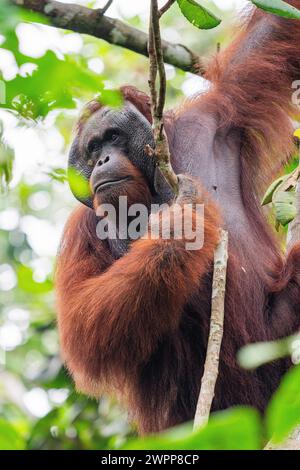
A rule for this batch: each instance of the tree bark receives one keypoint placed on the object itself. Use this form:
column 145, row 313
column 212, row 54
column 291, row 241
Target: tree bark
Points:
column 211, row 366
column 93, row 22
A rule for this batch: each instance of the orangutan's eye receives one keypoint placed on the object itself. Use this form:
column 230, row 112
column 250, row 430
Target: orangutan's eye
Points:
column 94, row 145
column 111, row 135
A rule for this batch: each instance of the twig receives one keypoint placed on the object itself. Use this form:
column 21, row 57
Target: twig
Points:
column 211, row 366
column 291, row 443
column 87, row 21
column 156, row 38
column 162, row 152
column 152, row 69
column 165, row 7
column 105, row 8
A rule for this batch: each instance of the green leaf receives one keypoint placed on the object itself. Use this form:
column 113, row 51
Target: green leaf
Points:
column 27, row 283
column 79, row 184
column 58, row 174
column 256, row 354
column 9, row 438
column 283, row 412
column 278, row 7
column 34, row 96
column 6, row 165
column 285, row 206
column 198, row 15
column 9, row 16
column 272, row 188
column 235, row 429
column 111, row 98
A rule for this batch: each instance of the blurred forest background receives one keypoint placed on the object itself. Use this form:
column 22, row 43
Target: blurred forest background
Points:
column 48, row 75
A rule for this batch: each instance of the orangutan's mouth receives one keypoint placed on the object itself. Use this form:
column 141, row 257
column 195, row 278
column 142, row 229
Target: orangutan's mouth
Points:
column 107, row 183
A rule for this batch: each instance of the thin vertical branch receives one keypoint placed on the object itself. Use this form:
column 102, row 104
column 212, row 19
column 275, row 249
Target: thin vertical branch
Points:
column 291, row 443
column 162, row 153
column 211, row 366
column 160, row 63
column 157, row 68
column 152, row 67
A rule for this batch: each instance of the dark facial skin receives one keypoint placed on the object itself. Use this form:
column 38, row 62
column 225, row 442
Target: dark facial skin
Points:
column 113, row 175
column 109, row 151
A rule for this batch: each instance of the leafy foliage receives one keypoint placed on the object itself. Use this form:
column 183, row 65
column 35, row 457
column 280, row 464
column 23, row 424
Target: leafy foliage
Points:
column 284, row 207
column 9, row 437
column 283, row 413
column 282, row 193
column 6, row 165
column 268, row 197
column 236, row 429
column 34, row 96
column 278, row 7
column 196, row 14
column 78, row 184
column 38, row 405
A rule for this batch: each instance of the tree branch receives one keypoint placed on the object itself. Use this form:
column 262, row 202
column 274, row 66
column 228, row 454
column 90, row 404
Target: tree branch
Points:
column 106, row 7
column 160, row 63
column 211, row 366
column 165, row 7
column 291, row 443
column 161, row 151
column 152, row 69
column 87, row 21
